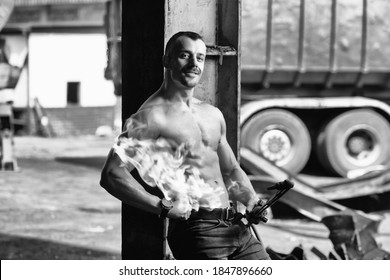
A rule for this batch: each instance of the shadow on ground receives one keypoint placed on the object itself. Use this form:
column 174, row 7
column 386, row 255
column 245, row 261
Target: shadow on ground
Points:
column 92, row 161
column 25, row 248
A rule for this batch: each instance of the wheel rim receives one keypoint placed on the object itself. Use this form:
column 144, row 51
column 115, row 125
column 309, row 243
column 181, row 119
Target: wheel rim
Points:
column 279, row 136
column 275, row 145
column 362, row 147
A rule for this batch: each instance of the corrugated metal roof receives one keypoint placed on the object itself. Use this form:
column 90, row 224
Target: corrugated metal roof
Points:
column 54, row 2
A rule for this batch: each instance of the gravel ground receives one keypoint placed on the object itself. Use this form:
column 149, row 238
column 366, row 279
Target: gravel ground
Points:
column 53, row 208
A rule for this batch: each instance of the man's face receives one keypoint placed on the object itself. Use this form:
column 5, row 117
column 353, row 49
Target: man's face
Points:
column 187, row 62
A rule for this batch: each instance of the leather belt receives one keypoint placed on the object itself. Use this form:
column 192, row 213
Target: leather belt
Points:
column 226, row 214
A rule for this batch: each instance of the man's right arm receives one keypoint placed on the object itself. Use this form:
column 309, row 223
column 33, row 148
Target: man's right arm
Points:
column 118, row 181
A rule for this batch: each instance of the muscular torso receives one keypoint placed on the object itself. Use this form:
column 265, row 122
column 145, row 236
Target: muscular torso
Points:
column 199, row 127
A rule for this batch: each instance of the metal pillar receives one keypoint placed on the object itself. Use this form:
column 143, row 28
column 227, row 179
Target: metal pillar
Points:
column 142, row 72
column 219, row 22
column 146, row 26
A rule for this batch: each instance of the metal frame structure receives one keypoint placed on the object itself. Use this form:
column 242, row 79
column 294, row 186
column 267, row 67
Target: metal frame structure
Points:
column 146, row 26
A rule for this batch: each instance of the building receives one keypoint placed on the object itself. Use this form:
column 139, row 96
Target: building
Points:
column 61, row 48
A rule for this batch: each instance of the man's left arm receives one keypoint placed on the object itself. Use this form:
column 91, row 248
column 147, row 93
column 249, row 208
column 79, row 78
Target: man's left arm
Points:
column 236, row 180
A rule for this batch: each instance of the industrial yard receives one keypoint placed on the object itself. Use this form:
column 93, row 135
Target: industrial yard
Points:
column 299, row 95
column 52, row 207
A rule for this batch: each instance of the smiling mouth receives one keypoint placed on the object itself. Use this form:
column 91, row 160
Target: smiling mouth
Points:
column 193, row 71
column 191, row 75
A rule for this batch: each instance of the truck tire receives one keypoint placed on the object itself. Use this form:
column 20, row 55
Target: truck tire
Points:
column 355, row 139
column 279, row 136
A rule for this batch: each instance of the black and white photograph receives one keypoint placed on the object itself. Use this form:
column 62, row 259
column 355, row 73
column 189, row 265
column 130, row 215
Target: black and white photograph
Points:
column 195, row 138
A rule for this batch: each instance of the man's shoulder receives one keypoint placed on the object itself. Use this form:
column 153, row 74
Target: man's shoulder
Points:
column 204, row 104
column 208, row 108
column 154, row 103
column 148, row 119
column 151, row 109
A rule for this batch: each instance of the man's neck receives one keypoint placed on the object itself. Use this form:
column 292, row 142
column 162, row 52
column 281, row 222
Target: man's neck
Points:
column 175, row 94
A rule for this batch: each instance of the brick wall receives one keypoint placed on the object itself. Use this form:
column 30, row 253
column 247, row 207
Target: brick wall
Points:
column 72, row 121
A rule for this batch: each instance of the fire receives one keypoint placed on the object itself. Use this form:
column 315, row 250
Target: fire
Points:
column 161, row 164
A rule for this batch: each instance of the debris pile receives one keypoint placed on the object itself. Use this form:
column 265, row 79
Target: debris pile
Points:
column 352, row 242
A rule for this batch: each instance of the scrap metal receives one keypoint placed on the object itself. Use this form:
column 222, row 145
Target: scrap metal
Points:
column 351, row 231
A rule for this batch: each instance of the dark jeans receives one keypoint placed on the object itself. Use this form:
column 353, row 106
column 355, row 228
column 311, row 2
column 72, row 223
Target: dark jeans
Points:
column 214, row 239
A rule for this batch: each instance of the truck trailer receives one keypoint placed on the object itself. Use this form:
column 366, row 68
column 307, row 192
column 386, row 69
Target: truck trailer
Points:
column 275, row 88
column 315, row 79
column 315, row 83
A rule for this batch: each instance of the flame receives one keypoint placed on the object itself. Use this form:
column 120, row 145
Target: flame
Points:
column 161, row 163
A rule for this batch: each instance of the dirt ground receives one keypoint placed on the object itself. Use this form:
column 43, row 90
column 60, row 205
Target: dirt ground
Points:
column 52, row 207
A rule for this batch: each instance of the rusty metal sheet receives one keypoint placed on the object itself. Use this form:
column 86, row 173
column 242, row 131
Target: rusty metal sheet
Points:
column 305, row 199
column 318, row 45
column 375, row 183
column 378, row 34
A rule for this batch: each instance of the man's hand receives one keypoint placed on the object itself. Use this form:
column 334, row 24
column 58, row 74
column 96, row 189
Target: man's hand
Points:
column 252, row 212
column 179, row 212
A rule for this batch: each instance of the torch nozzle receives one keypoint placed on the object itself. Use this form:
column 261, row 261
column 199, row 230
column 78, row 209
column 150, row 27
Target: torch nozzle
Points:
column 285, row 185
column 282, row 188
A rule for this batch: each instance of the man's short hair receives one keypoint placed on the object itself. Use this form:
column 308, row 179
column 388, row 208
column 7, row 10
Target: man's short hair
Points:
column 172, row 41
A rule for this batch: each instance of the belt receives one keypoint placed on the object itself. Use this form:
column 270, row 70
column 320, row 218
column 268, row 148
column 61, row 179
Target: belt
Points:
column 226, row 214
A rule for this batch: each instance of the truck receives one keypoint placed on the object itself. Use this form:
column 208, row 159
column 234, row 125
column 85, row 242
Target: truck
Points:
column 315, row 79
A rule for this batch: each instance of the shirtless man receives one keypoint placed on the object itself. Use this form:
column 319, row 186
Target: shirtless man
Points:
column 173, row 113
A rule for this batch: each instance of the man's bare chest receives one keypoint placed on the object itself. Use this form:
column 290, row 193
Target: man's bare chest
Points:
column 193, row 127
